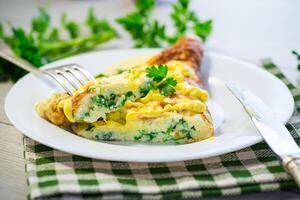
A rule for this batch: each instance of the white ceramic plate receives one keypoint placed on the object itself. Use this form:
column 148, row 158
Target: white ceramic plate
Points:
column 234, row 130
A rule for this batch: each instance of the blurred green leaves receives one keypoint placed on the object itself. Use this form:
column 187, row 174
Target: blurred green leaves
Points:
column 149, row 32
column 44, row 43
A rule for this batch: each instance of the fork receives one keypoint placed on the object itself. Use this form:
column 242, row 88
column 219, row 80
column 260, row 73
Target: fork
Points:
column 70, row 76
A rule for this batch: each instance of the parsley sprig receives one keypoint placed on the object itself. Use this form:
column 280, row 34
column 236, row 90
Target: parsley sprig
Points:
column 159, row 81
column 149, row 32
column 157, row 73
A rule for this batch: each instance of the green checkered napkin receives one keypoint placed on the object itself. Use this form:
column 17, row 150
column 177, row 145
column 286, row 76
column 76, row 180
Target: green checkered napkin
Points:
column 52, row 173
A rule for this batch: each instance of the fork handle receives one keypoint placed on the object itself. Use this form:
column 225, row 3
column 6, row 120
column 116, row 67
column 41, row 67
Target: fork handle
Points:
column 292, row 166
column 21, row 63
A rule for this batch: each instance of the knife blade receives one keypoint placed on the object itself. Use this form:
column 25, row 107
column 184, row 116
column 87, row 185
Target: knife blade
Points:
column 270, row 127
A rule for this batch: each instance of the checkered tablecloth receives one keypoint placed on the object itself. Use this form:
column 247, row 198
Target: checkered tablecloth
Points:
column 52, row 173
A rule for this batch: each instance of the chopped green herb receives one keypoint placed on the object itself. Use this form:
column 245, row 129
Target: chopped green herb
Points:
column 99, row 100
column 184, row 128
column 120, row 71
column 105, row 101
column 100, row 75
column 145, row 136
column 181, row 126
column 107, row 136
column 112, row 96
column 104, row 136
column 90, row 127
column 129, row 94
column 171, row 128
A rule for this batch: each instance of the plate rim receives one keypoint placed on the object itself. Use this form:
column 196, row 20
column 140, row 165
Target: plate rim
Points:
column 24, row 130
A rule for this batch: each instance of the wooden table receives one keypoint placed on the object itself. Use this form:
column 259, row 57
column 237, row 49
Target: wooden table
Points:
column 12, row 169
column 254, row 31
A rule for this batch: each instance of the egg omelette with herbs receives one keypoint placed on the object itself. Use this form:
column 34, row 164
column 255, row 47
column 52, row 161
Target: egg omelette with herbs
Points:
column 159, row 100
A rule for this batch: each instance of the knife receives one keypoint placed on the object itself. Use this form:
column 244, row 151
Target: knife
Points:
column 271, row 128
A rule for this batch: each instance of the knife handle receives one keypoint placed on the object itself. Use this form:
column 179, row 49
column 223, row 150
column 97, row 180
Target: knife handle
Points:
column 292, row 166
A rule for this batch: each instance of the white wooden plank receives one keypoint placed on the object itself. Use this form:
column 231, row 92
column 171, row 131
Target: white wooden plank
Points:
column 4, row 88
column 12, row 169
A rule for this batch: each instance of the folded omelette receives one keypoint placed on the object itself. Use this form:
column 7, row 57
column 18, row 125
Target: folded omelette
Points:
column 159, row 100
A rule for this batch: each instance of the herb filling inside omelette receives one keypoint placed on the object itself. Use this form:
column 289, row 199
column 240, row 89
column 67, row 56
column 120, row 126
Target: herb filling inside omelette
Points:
column 158, row 103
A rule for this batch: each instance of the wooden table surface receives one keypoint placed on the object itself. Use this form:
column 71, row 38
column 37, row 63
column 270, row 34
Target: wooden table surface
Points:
column 12, row 169
column 254, row 20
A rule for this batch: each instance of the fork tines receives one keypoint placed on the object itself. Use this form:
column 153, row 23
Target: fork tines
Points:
column 70, row 76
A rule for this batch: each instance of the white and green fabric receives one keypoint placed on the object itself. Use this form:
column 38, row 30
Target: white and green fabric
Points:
column 52, row 173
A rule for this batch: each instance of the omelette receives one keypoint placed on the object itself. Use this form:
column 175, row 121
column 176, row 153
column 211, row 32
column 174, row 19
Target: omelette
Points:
column 159, row 100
